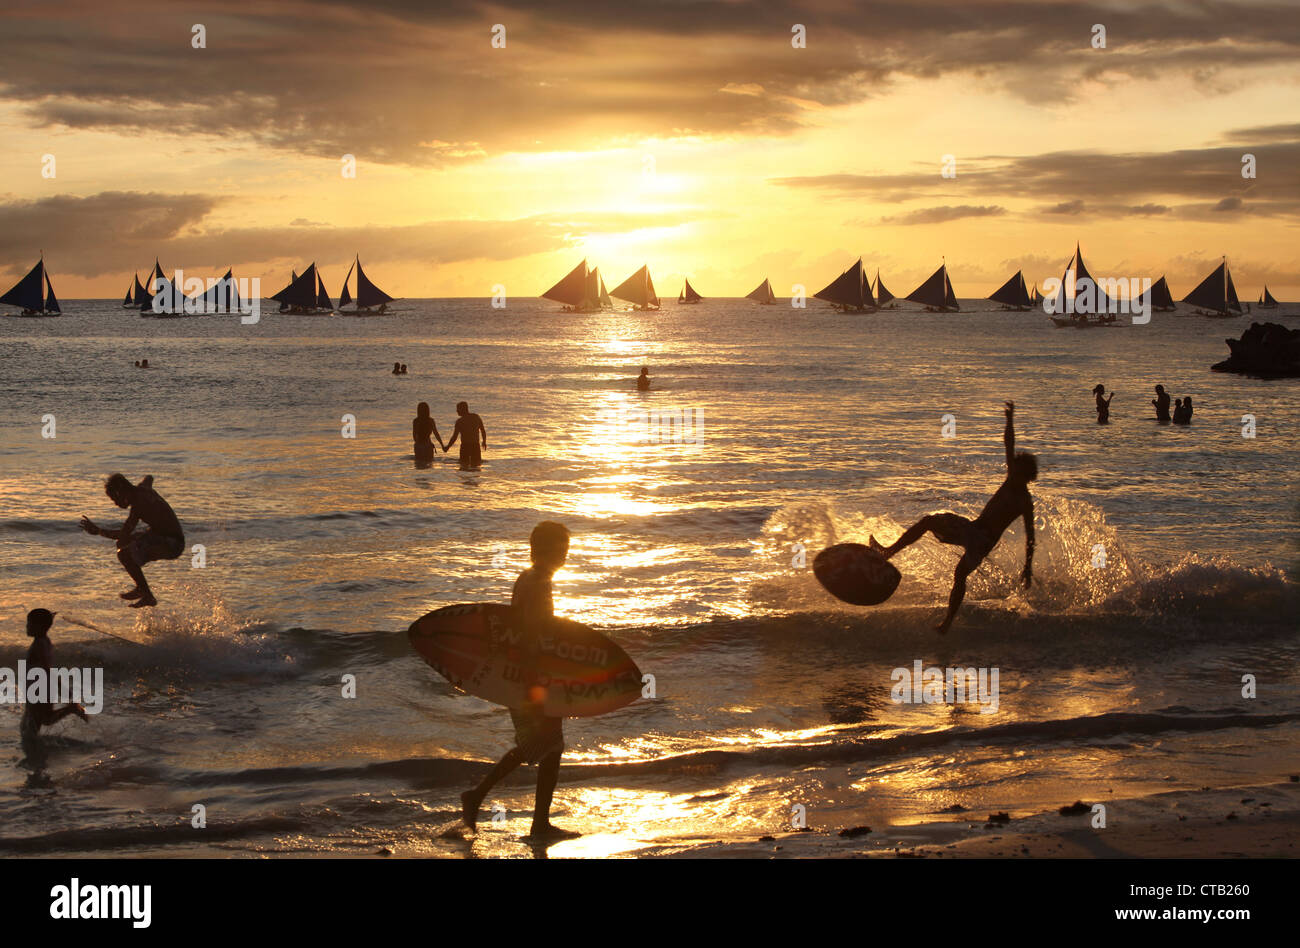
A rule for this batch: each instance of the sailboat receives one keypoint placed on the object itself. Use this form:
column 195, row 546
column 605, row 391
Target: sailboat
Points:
column 1097, row 307
column 572, row 290
column 936, row 293
column 762, row 293
column 305, row 295
column 222, row 296
column 638, row 289
column 368, row 295
column 883, row 295
column 688, row 294
column 850, row 291
column 163, row 298
column 1035, row 298
column 1215, row 295
column 34, row 293
column 1266, row 300
column 1162, row 301
column 594, row 295
column 1014, row 294
column 135, row 295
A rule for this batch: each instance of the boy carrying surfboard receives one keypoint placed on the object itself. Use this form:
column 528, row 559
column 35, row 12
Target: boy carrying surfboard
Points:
column 539, row 739
column 978, row 537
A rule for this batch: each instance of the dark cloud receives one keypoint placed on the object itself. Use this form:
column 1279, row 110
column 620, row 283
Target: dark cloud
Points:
column 414, row 82
column 1079, row 182
column 938, row 215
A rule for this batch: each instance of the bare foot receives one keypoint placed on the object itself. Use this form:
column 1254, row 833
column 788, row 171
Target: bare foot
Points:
column 132, row 593
column 144, row 602
column 550, row 833
column 469, row 810
column 942, row 627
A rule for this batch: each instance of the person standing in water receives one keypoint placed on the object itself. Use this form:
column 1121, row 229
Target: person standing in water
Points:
column 423, row 430
column 1103, row 404
column 1161, row 401
column 978, row 537
column 163, row 538
column 39, row 714
column 1183, row 411
column 643, row 380
column 469, row 429
column 539, row 738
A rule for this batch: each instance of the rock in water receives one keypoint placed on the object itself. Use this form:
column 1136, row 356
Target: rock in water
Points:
column 1269, row 350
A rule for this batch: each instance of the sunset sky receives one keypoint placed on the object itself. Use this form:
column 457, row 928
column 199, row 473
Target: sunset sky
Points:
column 687, row 135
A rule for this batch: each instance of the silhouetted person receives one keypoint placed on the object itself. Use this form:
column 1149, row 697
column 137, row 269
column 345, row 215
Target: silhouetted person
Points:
column 39, row 714
column 1103, row 404
column 397, row 368
column 403, row 368
column 423, row 430
column 643, row 380
column 978, row 537
column 162, row 539
column 539, row 739
column 469, row 429
column 1183, row 411
column 1161, row 401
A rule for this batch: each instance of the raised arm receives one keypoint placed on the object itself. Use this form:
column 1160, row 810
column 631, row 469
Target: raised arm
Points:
column 1009, row 435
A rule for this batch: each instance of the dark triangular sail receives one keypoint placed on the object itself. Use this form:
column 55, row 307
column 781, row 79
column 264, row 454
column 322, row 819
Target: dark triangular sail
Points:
column 27, row 292
column 152, row 286
column 883, row 295
column 638, row 289
column 345, row 297
column 51, row 304
column 367, row 293
column 689, row 295
column 850, row 289
column 301, row 291
column 571, row 289
column 322, row 298
column 936, row 292
column 1267, row 298
column 1013, row 292
column 126, row 300
column 1159, row 296
column 1215, row 292
column 762, row 293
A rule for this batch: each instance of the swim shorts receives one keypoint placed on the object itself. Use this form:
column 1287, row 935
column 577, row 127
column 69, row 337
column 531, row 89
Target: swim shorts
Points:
column 147, row 546
column 536, row 735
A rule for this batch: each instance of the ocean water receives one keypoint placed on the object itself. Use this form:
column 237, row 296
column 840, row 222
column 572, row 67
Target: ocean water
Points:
column 691, row 545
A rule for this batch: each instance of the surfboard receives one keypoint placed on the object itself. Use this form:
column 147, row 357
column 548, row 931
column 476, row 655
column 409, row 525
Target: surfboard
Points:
column 481, row 650
column 856, row 574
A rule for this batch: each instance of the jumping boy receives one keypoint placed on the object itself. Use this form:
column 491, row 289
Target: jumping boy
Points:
column 978, row 537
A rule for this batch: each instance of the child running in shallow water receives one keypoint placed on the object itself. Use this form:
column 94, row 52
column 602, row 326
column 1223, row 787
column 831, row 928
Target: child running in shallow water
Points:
column 539, row 739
